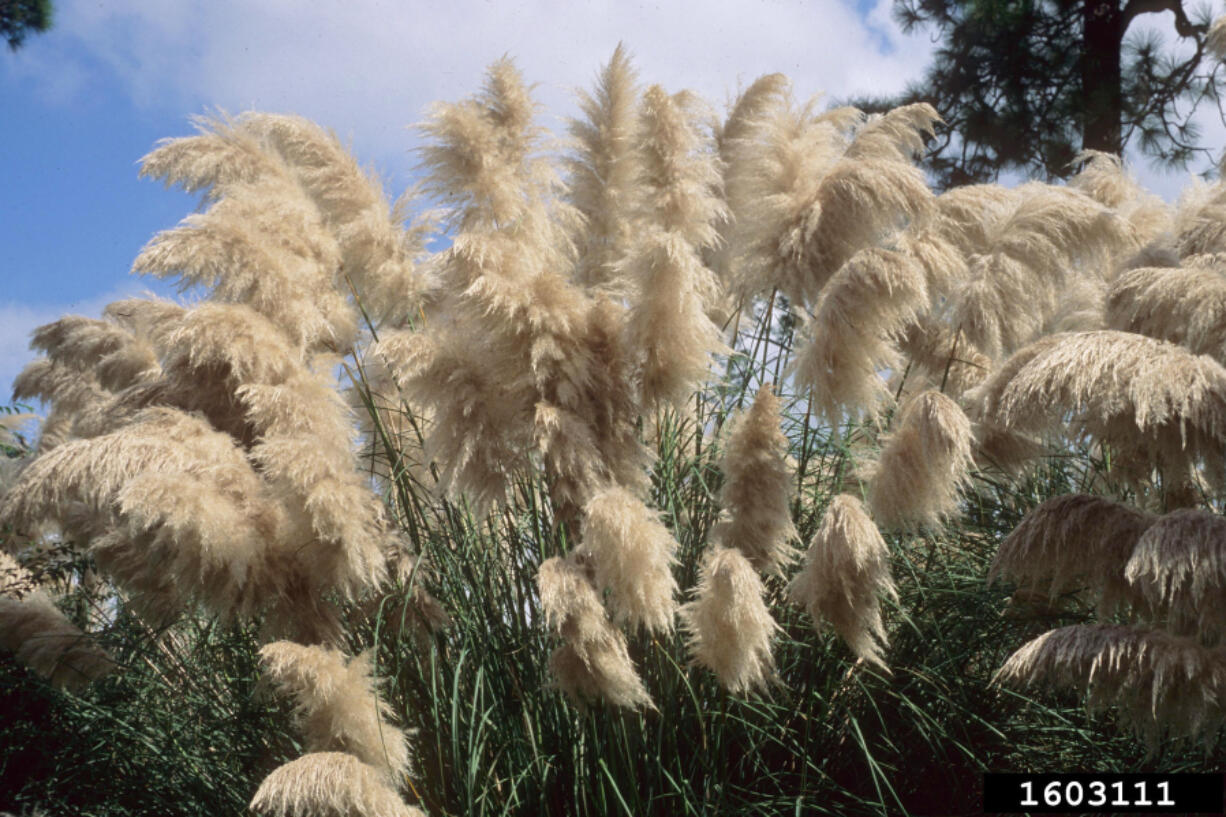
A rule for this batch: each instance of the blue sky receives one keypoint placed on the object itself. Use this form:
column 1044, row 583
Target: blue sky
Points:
column 84, row 102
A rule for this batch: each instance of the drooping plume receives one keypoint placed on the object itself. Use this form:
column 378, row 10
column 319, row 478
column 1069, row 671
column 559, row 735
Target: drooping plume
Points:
column 1163, row 684
column 846, row 569
column 328, row 784
column 1186, row 306
column 592, row 663
column 728, row 624
column 1050, row 236
column 1179, row 568
column 336, row 705
column 860, row 315
column 633, row 555
column 1070, row 542
column 1104, row 178
column 757, row 488
column 1158, row 402
column 923, row 464
column 825, row 187
column 41, row 637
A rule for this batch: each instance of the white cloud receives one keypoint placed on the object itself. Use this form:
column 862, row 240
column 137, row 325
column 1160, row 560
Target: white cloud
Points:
column 368, row 68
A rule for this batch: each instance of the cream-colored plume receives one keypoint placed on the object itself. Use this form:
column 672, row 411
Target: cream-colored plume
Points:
column 1158, row 402
column 603, row 173
column 1074, row 541
column 1048, row 238
column 336, row 705
column 946, row 359
column 923, row 464
column 667, row 326
column 40, row 636
column 329, row 784
column 1163, row 684
column 737, row 142
column 860, row 313
column 728, row 625
column 592, row 663
column 1185, row 306
column 1179, row 567
column 758, row 486
column 825, row 187
column 633, row 554
column 1104, row 178
column 846, row 569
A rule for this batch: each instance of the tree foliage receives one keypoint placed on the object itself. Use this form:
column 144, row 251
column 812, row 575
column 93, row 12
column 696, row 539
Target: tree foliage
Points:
column 19, row 17
column 1025, row 86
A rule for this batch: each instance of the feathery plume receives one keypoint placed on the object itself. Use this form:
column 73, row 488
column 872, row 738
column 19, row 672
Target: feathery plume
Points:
column 1200, row 228
column 187, row 517
column 1184, row 306
column 1103, row 177
column 603, row 173
column 969, row 216
column 262, row 244
column 1179, row 566
column 865, row 306
column 757, row 488
column 728, row 624
column 948, row 360
column 376, row 252
column 667, row 325
column 1163, row 684
column 328, row 784
column 43, row 639
column 1072, row 541
column 592, row 663
column 846, row 568
column 737, row 141
column 632, row 553
column 1051, row 235
column 923, row 464
column 1121, row 388
column 336, row 705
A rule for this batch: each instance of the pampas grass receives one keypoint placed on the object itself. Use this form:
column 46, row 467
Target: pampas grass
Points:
column 328, row 784
column 863, row 309
column 336, row 705
column 1049, row 237
column 667, row 325
column 1121, row 388
column 201, row 489
column 758, row 487
column 1162, row 684
column 603, row 173
column 1179, row 567
column 592, row 663
column 846, row 569
column 924, row 463
column 633, row 554
column 43, row 639
column 728, row 623
column 1072, row 541
column 1186, row 306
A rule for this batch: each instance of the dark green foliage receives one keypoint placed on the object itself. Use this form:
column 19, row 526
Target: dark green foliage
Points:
column 179, row 730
